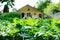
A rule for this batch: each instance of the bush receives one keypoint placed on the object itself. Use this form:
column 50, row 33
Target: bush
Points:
column 10, row 15
column 22, row 29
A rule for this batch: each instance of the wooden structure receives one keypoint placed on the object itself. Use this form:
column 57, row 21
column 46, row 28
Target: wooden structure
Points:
column 29, row 11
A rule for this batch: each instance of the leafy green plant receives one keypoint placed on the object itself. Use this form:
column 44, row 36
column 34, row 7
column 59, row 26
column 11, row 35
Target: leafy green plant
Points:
column 32, row 29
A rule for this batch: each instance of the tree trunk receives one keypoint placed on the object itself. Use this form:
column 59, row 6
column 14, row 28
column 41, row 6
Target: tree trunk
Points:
column 6, row 9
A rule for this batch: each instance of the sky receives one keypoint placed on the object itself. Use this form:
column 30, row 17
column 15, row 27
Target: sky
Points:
column 20, row 3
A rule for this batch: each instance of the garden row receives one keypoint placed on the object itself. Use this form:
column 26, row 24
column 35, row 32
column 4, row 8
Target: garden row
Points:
column 29, row 29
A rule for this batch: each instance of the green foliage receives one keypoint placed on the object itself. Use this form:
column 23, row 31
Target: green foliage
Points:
column 49, row 9
column 10, row 16
column 6, row 6
column 52, row 8
column 32, row 29
column 9, row 2
column 43, row 4
column 58, row 6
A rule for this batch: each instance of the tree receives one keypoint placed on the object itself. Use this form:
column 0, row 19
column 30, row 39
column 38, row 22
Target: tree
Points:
column 6, row 9
column 49, row 9
column 57, row 7
column 42, row 4
column 52, row 8
column 6, row 6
